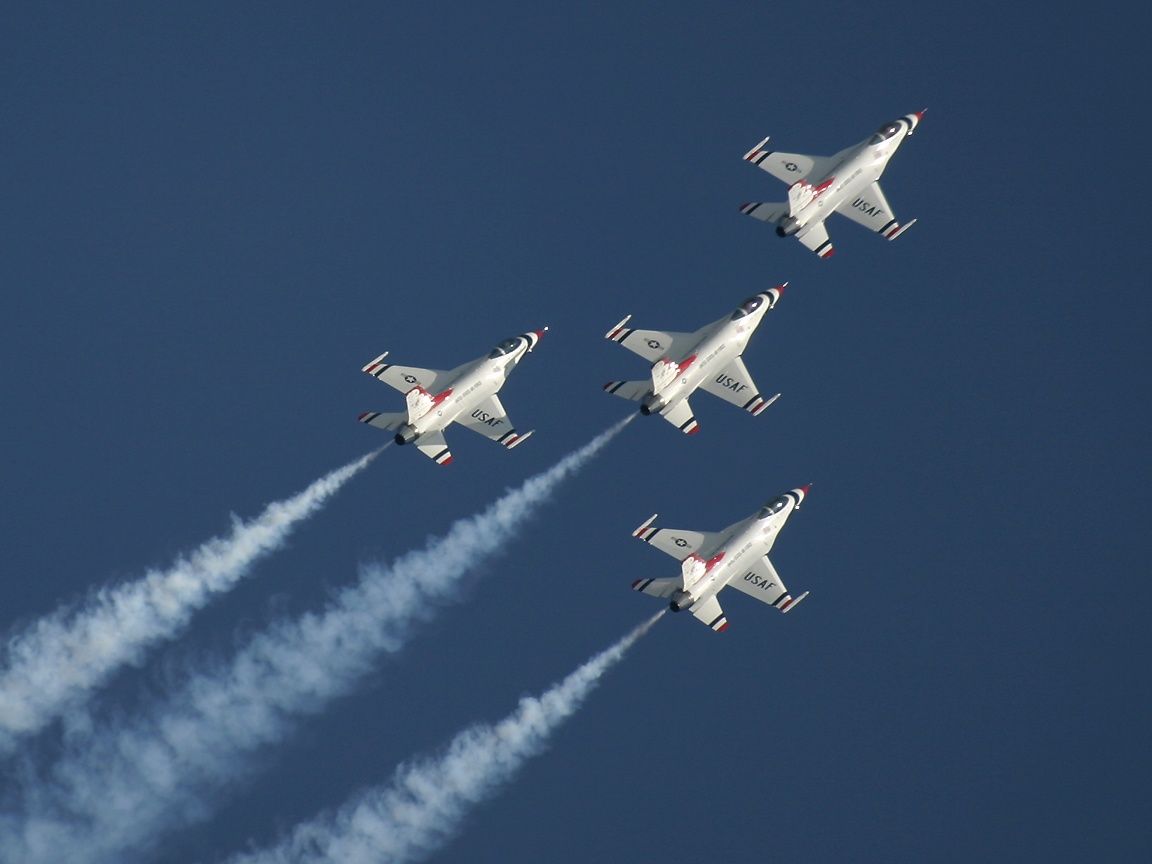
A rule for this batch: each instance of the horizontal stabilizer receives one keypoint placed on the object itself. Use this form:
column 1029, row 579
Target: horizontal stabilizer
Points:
column 680, row 415
column 766, row 211
column 634, row 391
column 388, row 422
column 656, row 587
column 815, row 237
column 710, row 613
column 433, row 445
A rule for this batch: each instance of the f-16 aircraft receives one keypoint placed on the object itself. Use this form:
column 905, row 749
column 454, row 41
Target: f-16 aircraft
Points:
column 736, row 557
column 464, row 395
column 822, row 185
column 708, row 359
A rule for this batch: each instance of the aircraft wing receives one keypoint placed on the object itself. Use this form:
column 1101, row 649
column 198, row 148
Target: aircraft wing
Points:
column 764, row 583
column 490, row 419
column 788, row 167
column 674, row 541
column 871, row 209
column 404, row 378
column 815, row 237
column 649, row 344
column 733, row 384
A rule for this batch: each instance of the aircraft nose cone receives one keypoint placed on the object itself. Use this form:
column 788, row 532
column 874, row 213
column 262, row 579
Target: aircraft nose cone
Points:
column 540, row 333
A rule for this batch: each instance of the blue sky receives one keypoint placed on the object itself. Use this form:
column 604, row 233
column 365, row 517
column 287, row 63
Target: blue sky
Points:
column 213, row 217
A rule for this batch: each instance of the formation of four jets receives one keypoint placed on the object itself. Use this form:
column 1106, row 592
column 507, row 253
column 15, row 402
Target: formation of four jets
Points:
column 708, row 359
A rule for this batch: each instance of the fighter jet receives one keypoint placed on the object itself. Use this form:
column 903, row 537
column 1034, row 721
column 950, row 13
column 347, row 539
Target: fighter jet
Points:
column 736, row 557
column 464, row 395
column 708, row 359
column 822, row 185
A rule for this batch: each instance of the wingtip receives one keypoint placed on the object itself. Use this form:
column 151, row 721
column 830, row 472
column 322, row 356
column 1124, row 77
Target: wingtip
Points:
column 614, row 332
column 751, row 154
column 901, row 229
column 647, row 524
column 793, row 603
column 371, row 366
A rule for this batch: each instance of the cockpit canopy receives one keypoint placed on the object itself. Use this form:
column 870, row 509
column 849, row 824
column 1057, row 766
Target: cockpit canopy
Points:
column 747, row 307
column 506, row 347
column 773, row 507
column 884, row 133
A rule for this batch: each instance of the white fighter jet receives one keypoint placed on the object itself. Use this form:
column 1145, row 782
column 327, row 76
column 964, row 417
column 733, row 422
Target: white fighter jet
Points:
column 464, row 395
column 822, row 185
column 736, row 557
column 708, row 359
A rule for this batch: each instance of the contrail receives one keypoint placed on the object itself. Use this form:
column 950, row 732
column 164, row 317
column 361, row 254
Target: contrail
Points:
column 423, row 806
column 118, row 788
column 58, row 659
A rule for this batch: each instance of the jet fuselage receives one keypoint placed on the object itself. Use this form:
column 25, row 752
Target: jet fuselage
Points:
column 858, row 168
column 474, row 383
column 675, row 380
column 708, row 570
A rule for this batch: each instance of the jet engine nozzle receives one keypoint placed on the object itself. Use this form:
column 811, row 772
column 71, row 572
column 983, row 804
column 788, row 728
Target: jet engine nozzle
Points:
column 681, row 600
column 651, row 405
column 405, row 434
column 787, row 227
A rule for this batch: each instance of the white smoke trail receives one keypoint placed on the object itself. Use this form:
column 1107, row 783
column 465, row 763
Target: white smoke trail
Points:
column 118, row 789
column 425, row 803
column 60, row 658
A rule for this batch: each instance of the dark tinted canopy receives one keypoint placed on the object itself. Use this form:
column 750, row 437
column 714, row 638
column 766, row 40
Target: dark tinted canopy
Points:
column 774, row 506
column 504, row 347
column 747, row 307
